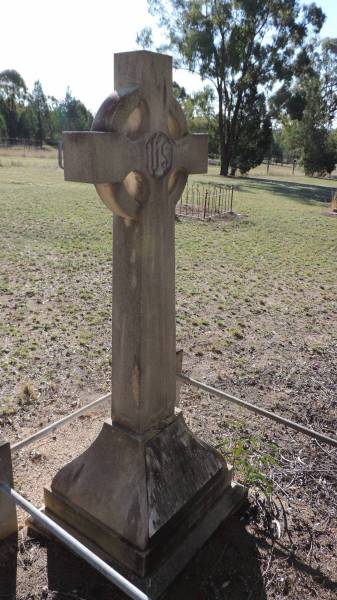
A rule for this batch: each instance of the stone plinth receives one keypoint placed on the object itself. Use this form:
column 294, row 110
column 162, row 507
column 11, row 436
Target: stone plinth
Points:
column 145, row 503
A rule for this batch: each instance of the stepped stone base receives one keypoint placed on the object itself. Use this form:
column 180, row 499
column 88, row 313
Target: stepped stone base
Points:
column 145, row 501
column 156, row 582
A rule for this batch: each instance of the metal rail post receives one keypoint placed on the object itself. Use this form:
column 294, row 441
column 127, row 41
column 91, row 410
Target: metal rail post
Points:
column 8, row 519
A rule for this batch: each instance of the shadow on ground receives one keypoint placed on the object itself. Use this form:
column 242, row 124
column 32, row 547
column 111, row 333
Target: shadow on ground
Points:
column 227, row 568
column 302, row 192
column 8, row 567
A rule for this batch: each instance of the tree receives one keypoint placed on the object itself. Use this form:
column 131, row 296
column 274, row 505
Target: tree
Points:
column 308, row 109
column 40, row 106
column 3, row 126
column 13, row 92
column 237, row 45
column 291, row 139
column 319, row 154
column 35, row 115
column 253, row 135
column 28, row 125
column 326, row 68
column 200, row 115
column 277, row 147
column 73, row 115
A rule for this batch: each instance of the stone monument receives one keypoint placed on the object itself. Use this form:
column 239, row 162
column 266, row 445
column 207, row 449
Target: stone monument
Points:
column 147, row 493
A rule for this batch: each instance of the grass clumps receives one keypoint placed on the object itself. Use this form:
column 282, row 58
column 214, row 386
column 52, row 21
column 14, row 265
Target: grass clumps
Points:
column 27, row 394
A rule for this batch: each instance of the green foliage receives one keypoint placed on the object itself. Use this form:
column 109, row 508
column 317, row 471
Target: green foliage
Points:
column 251, row 460
column 28, row 123
column 144, row 38
column 35, row 115
column 3, row 126
column 199, row 111
column 276, row 148
column 309, row 138
column 254, row 134
column 319, row 152
column 13, row 92
column 12, row 86
column 40, row 107
column 308, row 109
column 327, row 71
column 73, row 114
column 238, row 45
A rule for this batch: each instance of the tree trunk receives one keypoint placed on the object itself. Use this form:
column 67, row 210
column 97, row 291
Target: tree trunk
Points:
column 224, row 154
column 224, row 163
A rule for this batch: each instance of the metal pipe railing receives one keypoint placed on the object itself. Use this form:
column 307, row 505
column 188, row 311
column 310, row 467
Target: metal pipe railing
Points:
column 189, row 381
column 259, row 411
column 74, row 545
column 50, row 428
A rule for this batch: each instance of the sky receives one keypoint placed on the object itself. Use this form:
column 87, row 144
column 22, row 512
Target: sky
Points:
column 71, row 43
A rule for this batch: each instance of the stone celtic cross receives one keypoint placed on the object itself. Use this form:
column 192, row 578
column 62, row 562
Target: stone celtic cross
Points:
column 139, row 155
column 147, row 492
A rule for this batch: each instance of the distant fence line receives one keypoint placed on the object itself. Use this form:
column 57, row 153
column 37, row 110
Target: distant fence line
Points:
column 282, row 162
column 25, row 142
column 205, row 200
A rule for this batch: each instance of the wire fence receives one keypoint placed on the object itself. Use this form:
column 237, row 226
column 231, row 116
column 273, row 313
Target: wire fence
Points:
column 206, row 201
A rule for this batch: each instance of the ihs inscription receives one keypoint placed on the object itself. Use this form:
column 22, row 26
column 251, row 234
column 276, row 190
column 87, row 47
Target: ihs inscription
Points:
column 159, row 155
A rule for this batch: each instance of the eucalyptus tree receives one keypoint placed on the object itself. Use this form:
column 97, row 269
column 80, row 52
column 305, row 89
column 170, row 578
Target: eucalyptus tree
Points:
column 308, row 110
column 13, row 92
column 327, row 71
column 237, row 45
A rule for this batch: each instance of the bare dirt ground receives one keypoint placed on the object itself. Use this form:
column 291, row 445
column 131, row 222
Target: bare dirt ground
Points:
column 256, row 316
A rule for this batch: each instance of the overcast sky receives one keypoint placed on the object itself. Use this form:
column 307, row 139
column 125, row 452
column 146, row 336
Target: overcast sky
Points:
column 71, row 42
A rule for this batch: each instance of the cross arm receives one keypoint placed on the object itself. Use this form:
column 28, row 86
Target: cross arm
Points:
column 88, row 156
column 192, row 153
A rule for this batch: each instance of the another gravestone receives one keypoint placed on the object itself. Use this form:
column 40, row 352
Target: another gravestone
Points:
column 146, row 492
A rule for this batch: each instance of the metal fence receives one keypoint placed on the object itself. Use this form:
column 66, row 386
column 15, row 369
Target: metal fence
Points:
column 205, row 200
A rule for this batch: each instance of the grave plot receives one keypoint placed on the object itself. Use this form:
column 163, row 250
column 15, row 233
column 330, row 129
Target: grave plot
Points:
column 206, row 201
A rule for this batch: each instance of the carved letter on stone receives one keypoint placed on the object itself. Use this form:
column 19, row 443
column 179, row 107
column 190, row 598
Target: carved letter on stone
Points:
column 159, row 155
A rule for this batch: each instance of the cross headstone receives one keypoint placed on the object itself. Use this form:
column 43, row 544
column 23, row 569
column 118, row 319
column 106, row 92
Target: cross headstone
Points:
column 139, row 170
column 146, row 477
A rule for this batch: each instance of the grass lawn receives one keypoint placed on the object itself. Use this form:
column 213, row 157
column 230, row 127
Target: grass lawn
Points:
column 256, row 310
column 256, row 297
